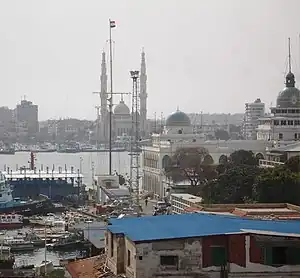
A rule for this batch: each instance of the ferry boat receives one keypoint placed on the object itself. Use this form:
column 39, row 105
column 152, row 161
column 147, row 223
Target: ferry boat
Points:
column 11, row 221
column 18, row 244
column 56, row 184
column 10, row 205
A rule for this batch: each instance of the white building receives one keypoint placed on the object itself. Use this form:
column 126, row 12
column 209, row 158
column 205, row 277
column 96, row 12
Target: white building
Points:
column 122, row 117
column 181, row 202
column 283, row 125
column 253, row 111
column 178, row 133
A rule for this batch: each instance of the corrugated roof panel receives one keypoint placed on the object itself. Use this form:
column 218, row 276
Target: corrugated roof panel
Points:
column 194, row 225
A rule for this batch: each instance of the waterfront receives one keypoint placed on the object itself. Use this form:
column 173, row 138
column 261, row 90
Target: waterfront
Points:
column 83, row 161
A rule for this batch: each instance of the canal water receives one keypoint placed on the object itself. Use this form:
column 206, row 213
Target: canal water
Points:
column 83, row 161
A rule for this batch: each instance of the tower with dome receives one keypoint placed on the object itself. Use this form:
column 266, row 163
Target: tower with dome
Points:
column 122, row 116
column 283, row 125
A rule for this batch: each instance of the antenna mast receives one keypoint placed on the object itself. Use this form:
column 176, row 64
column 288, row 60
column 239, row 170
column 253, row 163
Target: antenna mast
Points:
column 135, row 133
column 290, row 62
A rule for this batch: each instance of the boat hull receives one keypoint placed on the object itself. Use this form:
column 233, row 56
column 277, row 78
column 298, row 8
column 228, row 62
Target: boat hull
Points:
column 10, row 226
column 30, row 208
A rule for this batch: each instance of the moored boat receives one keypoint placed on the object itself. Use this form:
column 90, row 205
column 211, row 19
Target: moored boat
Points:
column 17, row 206
column 11, row 221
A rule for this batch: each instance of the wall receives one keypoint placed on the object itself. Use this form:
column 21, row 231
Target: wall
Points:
column 115, row 260
column 146, row 258
column 246, row 259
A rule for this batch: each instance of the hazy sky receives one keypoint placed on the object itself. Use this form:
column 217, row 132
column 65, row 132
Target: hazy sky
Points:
column 201, row 55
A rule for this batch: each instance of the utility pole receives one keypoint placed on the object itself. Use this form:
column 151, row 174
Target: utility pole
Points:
column 112, row 24
column 135, row 150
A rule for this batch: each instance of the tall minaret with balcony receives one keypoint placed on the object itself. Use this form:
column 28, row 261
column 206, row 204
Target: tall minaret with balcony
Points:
column 103, row 98
column 143, row 97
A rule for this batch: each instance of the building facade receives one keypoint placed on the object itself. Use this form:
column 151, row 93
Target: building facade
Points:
column 283, row 125
column 253, row 112
column 27, row 121
column 179, row 133
column 199, row 245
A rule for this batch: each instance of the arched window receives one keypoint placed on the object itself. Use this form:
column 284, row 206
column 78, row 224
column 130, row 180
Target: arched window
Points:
column 223, row 159
column 166, row 161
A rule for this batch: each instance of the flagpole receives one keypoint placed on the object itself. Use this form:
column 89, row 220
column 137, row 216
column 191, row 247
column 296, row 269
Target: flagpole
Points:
column 111, row 100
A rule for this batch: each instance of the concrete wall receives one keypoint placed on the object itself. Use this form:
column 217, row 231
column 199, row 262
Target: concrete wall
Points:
column 146, row 258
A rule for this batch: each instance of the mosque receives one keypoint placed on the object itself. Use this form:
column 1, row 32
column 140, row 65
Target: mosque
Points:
column 122, row 116
column 282, row 125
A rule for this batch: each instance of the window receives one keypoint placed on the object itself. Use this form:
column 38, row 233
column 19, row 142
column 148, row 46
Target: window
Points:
column 282, row 256
column 169, row 260
column 140, row 258
column 219, row 257
column 283, row 122
column 290, row 122
column 128, row 258
column 280, row 136
column 276, row 122
column 296, row 136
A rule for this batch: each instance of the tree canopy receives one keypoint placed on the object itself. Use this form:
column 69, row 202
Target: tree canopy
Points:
column 243, row 157
column 293, row 164
column 191, row 164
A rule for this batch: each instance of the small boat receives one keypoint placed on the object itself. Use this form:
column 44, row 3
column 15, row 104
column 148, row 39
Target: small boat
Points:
column 18, row 245
column 11, row 221
column 45, row 267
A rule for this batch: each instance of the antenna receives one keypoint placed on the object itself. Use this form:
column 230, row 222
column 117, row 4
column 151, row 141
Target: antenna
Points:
column 290, row 64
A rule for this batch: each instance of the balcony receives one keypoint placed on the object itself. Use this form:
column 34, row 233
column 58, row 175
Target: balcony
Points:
column 269, row 164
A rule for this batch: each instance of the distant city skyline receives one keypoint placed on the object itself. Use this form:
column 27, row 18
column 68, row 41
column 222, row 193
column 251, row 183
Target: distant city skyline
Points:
column 210, row 56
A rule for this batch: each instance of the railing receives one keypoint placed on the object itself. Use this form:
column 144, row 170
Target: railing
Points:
column 269, row 163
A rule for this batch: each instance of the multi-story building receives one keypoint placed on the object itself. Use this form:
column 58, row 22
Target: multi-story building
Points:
column 253, row 111
column 7, row 123
column 283, row 125
column 26, row 114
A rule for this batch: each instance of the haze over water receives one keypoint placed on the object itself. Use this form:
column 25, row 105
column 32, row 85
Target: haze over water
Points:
column 120, row 162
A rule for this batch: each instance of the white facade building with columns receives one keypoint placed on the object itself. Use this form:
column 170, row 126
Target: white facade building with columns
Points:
column 178, row 133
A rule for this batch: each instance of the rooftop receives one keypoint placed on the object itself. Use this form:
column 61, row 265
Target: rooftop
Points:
column 41, row 174
column 151, row 228
column 187, row 197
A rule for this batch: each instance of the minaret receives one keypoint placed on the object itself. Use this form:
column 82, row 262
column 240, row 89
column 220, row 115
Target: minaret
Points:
column 143, row 97
column 103, row 97
column 290, row 77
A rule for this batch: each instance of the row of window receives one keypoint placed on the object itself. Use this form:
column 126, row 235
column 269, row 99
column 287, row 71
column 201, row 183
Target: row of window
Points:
column 296, row 136
column 287, row 122
column 150, row 163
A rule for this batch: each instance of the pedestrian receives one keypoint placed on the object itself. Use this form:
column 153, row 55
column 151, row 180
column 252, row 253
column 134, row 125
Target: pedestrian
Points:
column 146, row 201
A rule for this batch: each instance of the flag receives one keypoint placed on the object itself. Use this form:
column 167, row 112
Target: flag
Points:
column 112, row 24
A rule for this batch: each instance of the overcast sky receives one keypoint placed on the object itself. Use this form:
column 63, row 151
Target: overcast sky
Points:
column 210, row 56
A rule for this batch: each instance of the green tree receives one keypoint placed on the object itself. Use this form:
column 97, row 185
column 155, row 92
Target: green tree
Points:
column 243, row 157
column 191, row 164
column 235, row 185
column 278, row 185
column 293, row 164
column 222, row 134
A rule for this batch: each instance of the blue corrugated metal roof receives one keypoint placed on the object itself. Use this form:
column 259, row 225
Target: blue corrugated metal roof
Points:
column 193, row 225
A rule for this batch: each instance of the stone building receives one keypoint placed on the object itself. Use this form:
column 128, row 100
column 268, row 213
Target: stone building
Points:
column 202, row 245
